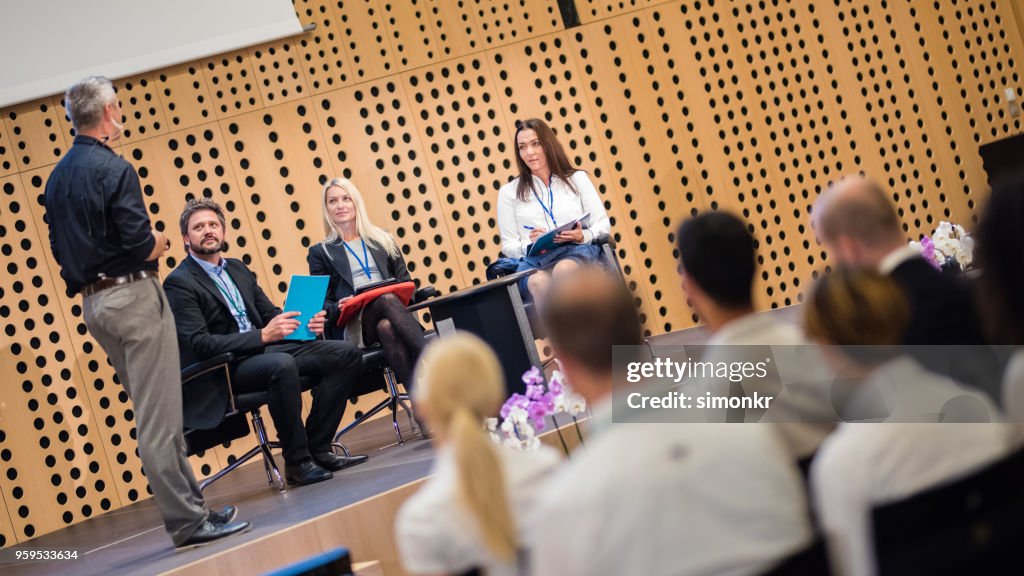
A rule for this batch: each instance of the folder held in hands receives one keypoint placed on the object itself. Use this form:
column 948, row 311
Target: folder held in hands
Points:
column 305, row 296
column 547, row 242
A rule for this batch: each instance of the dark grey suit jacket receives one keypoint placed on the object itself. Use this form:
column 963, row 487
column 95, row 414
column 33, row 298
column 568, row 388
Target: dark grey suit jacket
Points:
column 331, row 259
column 207, row 328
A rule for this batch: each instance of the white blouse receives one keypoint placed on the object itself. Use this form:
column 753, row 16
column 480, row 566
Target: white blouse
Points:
column 437, row 535
column 669, row 499
column 559, row 199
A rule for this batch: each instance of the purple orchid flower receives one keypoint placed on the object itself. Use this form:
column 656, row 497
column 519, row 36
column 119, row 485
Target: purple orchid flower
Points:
column 537, row 412
column 515, row 400
column 534, row 391
column 548, row 402
column 928, row 251
column 533, row 377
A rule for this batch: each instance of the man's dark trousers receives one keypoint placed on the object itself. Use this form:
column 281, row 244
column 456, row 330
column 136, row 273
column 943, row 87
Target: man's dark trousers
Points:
column 285, row 369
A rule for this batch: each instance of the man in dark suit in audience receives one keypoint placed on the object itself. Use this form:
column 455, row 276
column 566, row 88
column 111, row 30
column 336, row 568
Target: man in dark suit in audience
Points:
column 218, row 307
column 858, row 225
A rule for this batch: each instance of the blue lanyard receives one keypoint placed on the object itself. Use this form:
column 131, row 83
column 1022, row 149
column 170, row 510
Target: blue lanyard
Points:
column 550, row 209
column 237, row 306
column 364, row 263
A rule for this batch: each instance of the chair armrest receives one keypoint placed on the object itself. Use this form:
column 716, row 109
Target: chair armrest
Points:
column 604, row 240
column 424, row 293
column 218, row 362
column 196, row 370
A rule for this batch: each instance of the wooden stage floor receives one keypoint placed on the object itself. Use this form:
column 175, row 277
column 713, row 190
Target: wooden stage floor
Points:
column 132, row 540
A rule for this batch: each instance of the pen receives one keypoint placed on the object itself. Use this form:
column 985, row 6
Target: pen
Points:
column 528, row 227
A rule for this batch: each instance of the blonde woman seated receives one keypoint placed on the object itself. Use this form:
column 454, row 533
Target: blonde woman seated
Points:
column 548, row 192
column 356, row 253
column 906, row 429
column 467, row 514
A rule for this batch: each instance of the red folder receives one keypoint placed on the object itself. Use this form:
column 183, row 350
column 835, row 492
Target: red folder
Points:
column 403, row 291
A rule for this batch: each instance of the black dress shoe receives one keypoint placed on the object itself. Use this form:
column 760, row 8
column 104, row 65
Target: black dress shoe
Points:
column 306, row 473
column 333, row 462
column 223, row 516
column 209, row 532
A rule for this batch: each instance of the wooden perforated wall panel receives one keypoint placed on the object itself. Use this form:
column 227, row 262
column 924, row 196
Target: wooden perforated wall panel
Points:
column 673, row 107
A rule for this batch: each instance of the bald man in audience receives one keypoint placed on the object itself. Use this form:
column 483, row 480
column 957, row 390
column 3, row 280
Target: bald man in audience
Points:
column 654, row 499
column 857, row 224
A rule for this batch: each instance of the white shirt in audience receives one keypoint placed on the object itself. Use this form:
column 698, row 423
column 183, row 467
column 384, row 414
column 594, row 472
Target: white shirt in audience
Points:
column 865, row 464
column 802, row 410
column 670, row 499
column 758, row 329
column 436, row 534
column 1013, row 395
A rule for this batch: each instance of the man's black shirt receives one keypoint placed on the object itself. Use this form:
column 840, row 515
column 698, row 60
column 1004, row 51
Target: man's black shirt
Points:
column 98, row 221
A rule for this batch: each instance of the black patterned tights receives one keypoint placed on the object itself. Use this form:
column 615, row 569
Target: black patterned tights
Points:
column 386, row 320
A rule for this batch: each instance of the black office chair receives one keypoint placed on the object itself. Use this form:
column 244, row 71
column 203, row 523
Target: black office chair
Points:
column 216, row 371
column 378, row 376
column 811, row 561
column 373, row 368
column 974, row 525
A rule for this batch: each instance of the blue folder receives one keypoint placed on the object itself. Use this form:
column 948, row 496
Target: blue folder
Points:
column 547, row 241
column 305, row 296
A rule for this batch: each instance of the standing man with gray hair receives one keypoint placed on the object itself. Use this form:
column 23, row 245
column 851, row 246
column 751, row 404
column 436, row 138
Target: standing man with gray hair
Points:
column 101, row 237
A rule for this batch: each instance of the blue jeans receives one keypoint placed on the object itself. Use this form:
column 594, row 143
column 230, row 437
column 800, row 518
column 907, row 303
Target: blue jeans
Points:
column 582, row 253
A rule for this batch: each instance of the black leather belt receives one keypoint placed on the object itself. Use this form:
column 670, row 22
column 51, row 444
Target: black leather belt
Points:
column 104, row 283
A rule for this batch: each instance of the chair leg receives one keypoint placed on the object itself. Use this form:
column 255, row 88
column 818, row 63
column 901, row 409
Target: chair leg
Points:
column 266, row 468
column 389, row 376
column 394, row 400
column 273, row 474
column 406, row 404
column 242, row 460
column 373, row 411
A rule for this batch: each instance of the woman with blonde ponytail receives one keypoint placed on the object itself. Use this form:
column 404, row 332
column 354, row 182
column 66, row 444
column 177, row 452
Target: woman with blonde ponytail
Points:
column 466, row 514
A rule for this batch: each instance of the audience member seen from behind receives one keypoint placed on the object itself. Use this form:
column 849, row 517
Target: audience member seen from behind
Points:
column 356, row 253
column 467, row 514
column 1000, row 254
column 549, row 192
column 857, row 224
column 654, row 498
column 903, row 430
column 719, row 284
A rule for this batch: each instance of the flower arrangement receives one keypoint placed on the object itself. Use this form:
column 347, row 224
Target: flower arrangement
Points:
column 523, row 415
column 949, row 246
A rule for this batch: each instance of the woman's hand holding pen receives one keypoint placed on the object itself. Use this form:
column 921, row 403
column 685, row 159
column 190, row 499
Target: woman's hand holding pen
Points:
column 535, row 232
